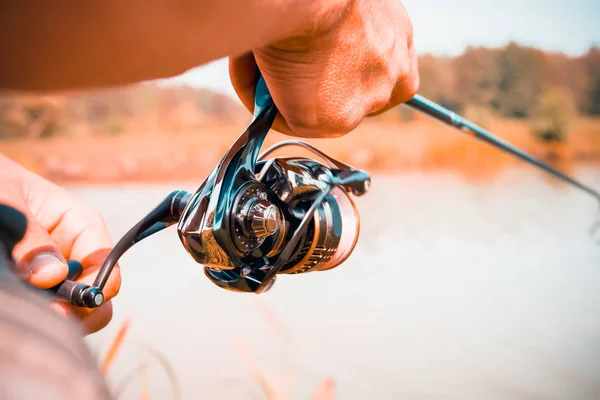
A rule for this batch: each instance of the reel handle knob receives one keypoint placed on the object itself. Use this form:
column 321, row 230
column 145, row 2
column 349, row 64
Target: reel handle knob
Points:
column 78, row 294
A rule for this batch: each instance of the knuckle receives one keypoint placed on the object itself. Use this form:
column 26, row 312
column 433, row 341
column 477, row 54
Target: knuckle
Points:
column 378, row 94
column 88, row 214
column 403, row 68
column 412, row 79
column 407, row 84
column 414, row 85
column 380, row 101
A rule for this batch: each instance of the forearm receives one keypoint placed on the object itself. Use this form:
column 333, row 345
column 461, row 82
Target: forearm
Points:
column 73, row 44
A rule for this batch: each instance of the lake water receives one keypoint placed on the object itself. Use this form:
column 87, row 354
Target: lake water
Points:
column 456, row 290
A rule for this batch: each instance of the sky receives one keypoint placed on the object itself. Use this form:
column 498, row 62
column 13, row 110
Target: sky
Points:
column 447, row 27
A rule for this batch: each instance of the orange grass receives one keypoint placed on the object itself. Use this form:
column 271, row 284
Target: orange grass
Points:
column 264, row 383
column 325, row 389
column 145, row 394
column 115, row 347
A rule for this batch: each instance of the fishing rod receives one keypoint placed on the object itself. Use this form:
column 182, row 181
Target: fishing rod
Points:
column 451, row 118
column 255, row 218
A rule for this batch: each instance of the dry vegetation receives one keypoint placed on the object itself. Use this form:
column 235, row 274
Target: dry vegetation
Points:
column 270, row 388
column 377, row 146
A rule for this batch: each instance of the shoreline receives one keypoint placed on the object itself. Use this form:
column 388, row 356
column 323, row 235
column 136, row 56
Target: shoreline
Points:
column 376, row 146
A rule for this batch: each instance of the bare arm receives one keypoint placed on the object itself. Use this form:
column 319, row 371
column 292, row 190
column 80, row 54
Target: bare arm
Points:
column 328, row 63
column 72, row 44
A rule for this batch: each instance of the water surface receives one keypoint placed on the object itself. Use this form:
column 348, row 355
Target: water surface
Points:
column 456, row 290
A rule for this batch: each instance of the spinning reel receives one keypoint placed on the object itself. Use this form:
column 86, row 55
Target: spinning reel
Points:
column 253, row 217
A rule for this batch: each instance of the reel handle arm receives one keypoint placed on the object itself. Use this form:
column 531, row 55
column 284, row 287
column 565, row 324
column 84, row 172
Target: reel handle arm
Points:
column 165, row 214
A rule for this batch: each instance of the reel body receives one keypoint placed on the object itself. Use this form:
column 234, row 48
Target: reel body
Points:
column 254, row 218
column 263, row 215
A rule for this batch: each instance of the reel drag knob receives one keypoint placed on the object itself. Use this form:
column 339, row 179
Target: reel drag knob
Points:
column 255, row 219
column 264, row 219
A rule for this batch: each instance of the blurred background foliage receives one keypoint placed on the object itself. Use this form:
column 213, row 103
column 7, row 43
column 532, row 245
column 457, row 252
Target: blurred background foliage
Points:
column 136, row 108
column 511, row 81
column 514, row 82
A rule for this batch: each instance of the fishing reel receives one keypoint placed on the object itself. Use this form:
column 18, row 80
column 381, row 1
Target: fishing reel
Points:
column 281, row 215
column 253, row 217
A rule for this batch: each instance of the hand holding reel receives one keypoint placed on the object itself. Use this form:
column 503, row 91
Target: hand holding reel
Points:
column 252, row 218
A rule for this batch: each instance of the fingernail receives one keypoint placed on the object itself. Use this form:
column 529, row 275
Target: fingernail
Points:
column 47, row 264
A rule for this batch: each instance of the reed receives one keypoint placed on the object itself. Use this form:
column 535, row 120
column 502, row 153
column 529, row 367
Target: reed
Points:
column 114, row 349
column 270, row 389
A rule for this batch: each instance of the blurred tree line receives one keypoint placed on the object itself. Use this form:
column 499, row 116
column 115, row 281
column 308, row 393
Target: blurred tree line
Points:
column 547, row 89
column 138, row 108
column 511, row 81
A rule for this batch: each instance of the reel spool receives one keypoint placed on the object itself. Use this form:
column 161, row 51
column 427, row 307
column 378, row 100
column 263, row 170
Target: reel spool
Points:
column 293, row 217
column 253, row 217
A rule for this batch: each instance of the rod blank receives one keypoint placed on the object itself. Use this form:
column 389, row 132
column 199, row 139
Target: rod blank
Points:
column 442, row 114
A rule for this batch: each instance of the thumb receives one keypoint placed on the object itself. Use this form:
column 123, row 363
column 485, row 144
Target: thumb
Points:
column 38, row 259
